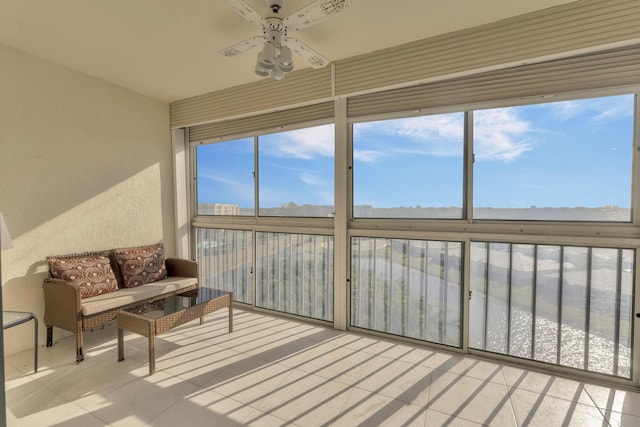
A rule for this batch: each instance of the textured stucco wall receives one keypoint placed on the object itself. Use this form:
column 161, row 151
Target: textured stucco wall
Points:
column 84, row 165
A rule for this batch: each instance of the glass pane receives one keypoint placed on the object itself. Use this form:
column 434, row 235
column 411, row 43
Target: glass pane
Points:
column 574, row 307
column 225, row 178
column 224, row 258
column 296, row 172
column 547, row 299
column 566, row 160
column 566, row 305
column 409, row 168
column 478, row 301
column 410, row 288
column 498, row 298
column 295, row 274
column 521, row 315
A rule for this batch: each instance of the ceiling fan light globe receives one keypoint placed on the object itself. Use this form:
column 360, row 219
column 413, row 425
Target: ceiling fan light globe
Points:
column 285, row 56
column 285, row 67
column 268, row 57
column 260, row 70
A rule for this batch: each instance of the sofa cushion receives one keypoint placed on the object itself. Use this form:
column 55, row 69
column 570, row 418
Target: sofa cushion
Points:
column 92, row 274
column 127, row 296
column 141, row 265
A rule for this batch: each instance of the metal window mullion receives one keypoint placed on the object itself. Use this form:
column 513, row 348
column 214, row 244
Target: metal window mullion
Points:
column 445, row 317
column 373, row 322
column 303, row 280
column 355, row 291
column 534, row 294
column 252, row 249
column 467, row 173
column 256, row 178
column 560, row 295
column 424, row 279
column 314, row 293
column 587, row 317
column 389, row 319
column 616, row 340
column 509, row 283
column 405, row 326
column 486, row 295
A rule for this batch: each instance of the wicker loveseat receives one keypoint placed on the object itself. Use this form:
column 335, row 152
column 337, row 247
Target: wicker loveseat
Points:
column 87, row 290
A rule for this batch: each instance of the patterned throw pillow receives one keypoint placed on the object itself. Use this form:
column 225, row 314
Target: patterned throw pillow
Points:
column 140, row 265
column 92, row 275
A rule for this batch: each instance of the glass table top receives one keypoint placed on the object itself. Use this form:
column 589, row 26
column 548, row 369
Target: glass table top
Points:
column 13, row 318
column 177, row 303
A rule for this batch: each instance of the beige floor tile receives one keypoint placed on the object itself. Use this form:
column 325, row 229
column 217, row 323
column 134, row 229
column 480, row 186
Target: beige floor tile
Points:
column 364, row 408
column 406, row 353
column 335, row 363
column 618, row 419
column 272, row 372
column 534, row 409
column 481, row 401
column 305, row 399
column 140, row 401
column 396, row 379
column 551, row 385
column 248, row 382
column 615, row 400
column 439, row 419
column 469, row 366
column 208, row 408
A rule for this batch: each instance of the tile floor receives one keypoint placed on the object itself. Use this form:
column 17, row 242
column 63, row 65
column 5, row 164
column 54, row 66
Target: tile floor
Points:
column 272, row 372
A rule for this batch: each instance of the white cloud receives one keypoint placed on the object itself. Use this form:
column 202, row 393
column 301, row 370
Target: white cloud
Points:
column 500, row 134
column 368, row 156
column 235, row 186
column 594, row 109
column 303, row 143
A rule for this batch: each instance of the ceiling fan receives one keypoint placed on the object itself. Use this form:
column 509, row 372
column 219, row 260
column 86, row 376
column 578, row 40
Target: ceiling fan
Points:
column 275, row 58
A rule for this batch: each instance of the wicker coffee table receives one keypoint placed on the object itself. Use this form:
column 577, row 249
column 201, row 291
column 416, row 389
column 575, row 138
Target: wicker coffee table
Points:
column 177, row 311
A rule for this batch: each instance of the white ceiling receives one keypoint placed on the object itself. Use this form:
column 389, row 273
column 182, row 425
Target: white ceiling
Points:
column 167, row 49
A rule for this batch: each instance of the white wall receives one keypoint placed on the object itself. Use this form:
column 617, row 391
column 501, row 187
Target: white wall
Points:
column 84, row 165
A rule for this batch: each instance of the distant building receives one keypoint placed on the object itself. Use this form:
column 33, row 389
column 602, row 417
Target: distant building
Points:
column 218, row 209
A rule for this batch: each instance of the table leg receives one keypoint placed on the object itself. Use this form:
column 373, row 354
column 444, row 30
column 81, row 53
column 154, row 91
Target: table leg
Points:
column 152, row 353
column 120, row 345
column 35, row 344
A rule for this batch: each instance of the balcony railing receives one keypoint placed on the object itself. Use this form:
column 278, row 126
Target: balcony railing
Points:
column 411, row 288
column 566, row 305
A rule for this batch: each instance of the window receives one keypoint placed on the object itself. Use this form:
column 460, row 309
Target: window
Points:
column 224, row 260
column 296, row 172
column 225, row 178
column 296, row 175
column 567, row 160
column 411, row 288
column 409, row 168
column 571, row 306
column 295, row 274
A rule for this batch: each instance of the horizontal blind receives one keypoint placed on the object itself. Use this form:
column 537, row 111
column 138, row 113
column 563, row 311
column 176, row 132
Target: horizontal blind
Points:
column 261, row 122
column 613, row 68
column 571, row 29
column 298, row 88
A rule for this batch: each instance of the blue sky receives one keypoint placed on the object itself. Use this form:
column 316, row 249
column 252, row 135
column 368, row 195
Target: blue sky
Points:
column 571, row 153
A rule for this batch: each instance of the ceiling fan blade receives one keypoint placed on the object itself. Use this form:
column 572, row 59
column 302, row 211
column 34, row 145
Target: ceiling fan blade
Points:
column 243, row 9
column 310, row 56
column 242, row 47
column 315, row 12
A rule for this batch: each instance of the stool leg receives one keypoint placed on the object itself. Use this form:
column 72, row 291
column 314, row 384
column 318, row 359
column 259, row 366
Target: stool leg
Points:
column 49, row 336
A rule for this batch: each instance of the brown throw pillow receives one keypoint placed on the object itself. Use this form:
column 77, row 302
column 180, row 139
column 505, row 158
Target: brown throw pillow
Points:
column 141, row 265
column 92, row 275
